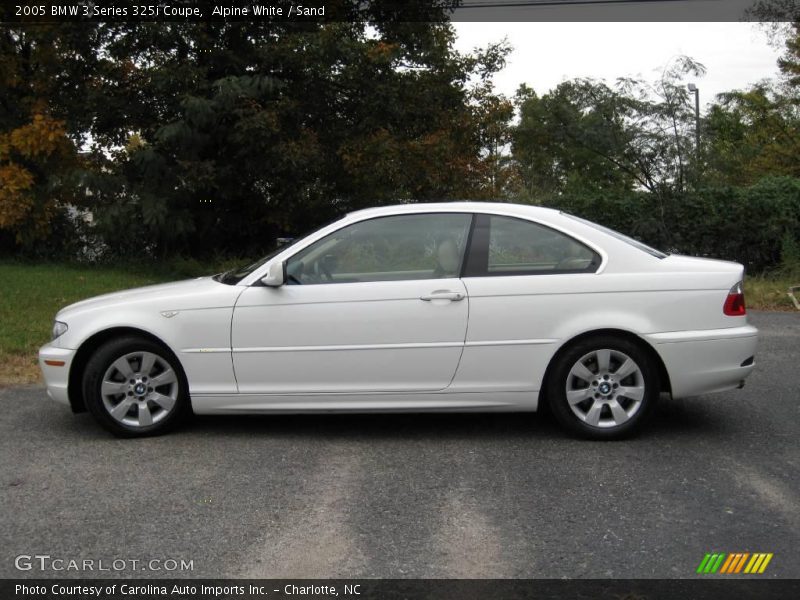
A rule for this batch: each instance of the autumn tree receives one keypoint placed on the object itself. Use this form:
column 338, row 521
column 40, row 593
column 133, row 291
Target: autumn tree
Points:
column 44, row 80
column 34, row 160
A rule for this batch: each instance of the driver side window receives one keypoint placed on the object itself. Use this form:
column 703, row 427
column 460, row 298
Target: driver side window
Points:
column 396, row 248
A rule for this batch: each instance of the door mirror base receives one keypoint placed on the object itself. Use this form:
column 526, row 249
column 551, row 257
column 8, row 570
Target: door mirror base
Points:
column 275, row 276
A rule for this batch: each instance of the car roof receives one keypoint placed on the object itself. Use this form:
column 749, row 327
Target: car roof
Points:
column 598, row 240
column 456, row 206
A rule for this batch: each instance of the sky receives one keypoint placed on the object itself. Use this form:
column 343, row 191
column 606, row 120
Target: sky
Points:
column 545, row 54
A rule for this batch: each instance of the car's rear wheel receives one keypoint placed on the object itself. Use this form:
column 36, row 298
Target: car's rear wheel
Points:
column 135, row 387
column 603, row 387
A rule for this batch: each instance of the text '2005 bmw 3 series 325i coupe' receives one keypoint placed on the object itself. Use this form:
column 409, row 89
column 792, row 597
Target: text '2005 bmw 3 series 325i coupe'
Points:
column 418, row 307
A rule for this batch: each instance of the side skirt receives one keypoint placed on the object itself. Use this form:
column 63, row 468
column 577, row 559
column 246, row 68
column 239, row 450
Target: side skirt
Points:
column 220, row 404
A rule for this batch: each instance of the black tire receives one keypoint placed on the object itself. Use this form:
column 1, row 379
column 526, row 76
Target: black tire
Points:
column 560, row 378
column 103, row 359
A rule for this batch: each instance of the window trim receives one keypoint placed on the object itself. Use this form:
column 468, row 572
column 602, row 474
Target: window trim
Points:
column 476, row 263
column 465, row 252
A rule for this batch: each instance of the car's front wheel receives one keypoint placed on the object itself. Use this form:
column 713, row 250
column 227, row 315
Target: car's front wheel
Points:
column 603, row 387
column 135, row 387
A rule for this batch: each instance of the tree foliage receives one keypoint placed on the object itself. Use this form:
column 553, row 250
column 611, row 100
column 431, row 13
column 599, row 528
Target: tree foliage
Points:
column 47, row 75
column 626, row 155
column 201, row 136
column 752, row 134
column 588, row 135
column 789, row 63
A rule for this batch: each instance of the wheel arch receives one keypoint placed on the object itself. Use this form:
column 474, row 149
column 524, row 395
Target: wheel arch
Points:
column 87, row 349
column 663, row 374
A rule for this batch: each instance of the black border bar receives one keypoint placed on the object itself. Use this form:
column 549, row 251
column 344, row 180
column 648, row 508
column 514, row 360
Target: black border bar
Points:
column 299, row 11
column 701, row 588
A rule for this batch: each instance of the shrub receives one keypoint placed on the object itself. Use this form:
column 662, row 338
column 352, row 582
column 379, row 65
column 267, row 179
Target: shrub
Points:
column 758, row 226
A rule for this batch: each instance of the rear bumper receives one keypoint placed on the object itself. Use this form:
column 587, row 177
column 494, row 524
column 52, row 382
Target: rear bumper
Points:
column 56, row 376
column 706, row 361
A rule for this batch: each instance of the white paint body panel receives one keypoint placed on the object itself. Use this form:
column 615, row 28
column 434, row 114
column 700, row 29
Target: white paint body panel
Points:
column 348, row 337
column 378, row 347
column 203, row 310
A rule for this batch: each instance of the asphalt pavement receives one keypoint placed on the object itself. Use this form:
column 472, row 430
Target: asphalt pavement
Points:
column 505, row 495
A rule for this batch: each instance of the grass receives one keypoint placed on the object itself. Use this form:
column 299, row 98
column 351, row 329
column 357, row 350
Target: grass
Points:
column 769, row 292
column 31, row 294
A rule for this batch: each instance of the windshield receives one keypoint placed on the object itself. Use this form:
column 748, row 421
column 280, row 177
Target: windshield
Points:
column 620, row 236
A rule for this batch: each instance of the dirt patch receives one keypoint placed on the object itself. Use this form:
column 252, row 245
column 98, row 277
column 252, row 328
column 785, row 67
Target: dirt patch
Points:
column 16, row 369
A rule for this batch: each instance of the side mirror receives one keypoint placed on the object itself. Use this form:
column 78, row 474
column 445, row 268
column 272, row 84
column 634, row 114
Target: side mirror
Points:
column 274, row 276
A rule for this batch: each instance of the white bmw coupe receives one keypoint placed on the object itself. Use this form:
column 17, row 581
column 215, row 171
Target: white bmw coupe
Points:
column 419, row 307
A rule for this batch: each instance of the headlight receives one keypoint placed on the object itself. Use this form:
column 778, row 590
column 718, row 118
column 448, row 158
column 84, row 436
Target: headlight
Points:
column 59, row 329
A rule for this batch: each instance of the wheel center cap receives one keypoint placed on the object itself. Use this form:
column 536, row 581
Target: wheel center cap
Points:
column 604, row 388
column 139, row 389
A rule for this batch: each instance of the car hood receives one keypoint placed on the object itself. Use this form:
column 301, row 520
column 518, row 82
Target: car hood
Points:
column 202, row 292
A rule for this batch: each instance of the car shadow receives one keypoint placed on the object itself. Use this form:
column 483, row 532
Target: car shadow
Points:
column 380, row 426
column 671, row 420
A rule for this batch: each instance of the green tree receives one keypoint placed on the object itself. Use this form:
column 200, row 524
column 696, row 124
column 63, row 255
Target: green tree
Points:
column 202, row 137
column 571, row 139
column 755, row 133
column 752, row 134
column 587, row 136
column 244, row 131
column 789, row 63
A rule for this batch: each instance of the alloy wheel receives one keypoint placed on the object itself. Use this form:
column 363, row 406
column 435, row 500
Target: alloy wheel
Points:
column 139, row 389
column 605, row 388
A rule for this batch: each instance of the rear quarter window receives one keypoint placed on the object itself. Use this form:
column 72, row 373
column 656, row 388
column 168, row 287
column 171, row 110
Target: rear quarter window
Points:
column 620, row 236
column 511, row 246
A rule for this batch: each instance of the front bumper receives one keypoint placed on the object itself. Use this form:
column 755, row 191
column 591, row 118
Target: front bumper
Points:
column 707, row 361
column 55, row 364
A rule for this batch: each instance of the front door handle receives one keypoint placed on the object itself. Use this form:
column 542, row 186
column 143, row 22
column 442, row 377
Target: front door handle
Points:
column 443, row 295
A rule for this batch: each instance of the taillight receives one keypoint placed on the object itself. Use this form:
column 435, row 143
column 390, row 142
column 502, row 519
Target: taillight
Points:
column 734, row 303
